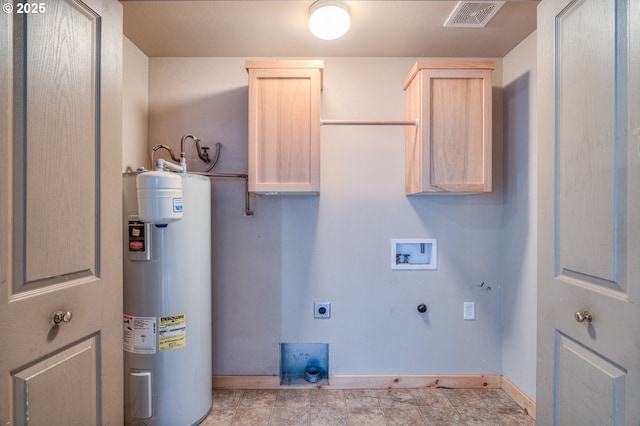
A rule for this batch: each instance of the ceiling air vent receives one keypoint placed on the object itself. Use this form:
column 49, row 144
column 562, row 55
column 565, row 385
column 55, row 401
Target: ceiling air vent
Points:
column 473, row 14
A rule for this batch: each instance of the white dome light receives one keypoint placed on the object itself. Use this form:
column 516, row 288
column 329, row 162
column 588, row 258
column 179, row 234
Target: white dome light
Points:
column 329, row 19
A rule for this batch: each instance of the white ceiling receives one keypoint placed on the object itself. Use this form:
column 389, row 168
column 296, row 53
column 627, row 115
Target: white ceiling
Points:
column 278, row 28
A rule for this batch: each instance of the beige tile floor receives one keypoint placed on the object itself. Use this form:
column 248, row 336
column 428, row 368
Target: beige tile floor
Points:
column 370, row 407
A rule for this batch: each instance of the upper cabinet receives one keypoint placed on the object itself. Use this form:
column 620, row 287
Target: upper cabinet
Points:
column 450, row 150
column 284, row 126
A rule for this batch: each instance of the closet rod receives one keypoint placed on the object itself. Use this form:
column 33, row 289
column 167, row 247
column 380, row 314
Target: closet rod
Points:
column 415, row 122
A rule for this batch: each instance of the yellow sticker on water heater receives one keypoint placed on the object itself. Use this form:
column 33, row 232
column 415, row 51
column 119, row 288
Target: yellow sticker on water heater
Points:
column 172, row 332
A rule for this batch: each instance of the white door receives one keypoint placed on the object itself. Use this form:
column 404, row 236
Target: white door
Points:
column 60, row 213
column 589, row 233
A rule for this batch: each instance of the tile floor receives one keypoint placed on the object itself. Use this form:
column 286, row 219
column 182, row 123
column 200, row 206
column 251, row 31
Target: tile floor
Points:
column 370, row 407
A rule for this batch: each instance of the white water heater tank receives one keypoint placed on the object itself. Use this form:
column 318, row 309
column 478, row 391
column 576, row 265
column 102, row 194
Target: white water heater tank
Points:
column 167, row 307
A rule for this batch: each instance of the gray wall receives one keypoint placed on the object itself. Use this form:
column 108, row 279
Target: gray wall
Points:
column 520, row 217
column 135, row 100
column 269, row 268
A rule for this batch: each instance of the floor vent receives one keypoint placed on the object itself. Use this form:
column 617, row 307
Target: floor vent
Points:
column 473, row 14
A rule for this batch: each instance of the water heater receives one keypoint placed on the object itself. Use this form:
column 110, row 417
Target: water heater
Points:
column 167, row 302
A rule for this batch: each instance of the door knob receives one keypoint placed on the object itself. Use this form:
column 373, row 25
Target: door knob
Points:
column 61, row 317
column 584, row 316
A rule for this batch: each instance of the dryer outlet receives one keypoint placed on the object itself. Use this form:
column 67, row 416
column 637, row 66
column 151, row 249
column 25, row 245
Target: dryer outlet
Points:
column 322, row 310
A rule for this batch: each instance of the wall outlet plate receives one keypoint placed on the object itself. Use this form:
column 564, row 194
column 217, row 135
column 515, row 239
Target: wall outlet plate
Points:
column 322, row 310
column 469, row 310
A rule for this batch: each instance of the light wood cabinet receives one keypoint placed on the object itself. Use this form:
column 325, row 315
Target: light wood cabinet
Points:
column 450, row 150
column 284, row 126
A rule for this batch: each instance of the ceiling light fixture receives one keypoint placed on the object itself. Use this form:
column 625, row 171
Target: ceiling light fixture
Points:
column 329, row 19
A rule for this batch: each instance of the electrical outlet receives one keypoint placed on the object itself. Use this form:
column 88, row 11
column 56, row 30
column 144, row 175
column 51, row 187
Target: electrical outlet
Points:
column 469, row 310
column 322, row 310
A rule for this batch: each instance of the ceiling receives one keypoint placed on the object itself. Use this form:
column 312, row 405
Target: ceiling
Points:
column 278, row 28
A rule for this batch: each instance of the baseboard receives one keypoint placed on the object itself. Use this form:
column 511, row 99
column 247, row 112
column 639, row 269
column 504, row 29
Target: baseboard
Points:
column 518, row 396
column 491, row 381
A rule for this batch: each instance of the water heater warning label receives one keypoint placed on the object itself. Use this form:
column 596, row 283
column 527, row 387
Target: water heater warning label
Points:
column 173, row 332
column 139, row 334
column 137, row 240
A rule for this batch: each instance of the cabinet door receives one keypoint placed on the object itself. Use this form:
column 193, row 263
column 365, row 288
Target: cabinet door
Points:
column 284, row 130
column 451, row 150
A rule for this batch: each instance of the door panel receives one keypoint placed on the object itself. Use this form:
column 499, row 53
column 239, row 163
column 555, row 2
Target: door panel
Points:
column 586, row 123
column 588, row 373
column 66, row 51
column 591, row 390
column 49, row 387
column 60, row 214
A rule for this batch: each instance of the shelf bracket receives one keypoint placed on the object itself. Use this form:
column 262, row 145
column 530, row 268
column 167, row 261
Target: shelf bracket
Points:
column 247, row 205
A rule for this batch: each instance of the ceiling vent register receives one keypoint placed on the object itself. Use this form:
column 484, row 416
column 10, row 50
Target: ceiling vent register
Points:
column 473, row 14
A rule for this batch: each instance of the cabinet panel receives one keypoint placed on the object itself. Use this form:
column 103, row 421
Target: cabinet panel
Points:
column 451, row 149
column 279, row 158
column 284, row 126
